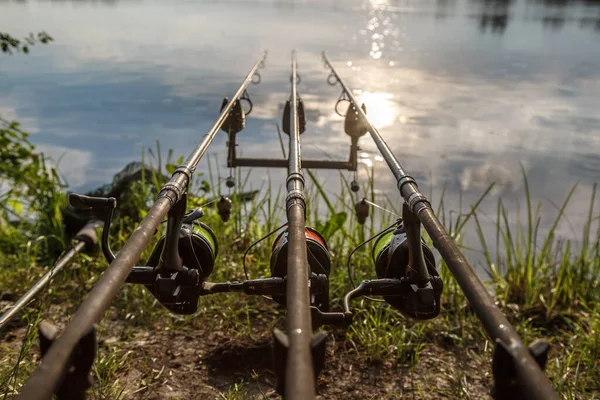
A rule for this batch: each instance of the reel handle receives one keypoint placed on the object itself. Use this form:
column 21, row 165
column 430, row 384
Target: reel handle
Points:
column 193, row 215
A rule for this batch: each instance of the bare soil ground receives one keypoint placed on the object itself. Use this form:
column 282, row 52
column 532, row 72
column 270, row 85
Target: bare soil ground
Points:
column 199, row 362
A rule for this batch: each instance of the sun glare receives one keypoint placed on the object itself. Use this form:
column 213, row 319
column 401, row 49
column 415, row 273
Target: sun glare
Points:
column 381, row 110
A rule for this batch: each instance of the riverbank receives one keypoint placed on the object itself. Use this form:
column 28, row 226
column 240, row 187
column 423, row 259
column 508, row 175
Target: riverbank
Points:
column 548, row 290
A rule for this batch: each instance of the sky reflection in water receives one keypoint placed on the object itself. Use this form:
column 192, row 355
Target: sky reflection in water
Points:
column 462, row 91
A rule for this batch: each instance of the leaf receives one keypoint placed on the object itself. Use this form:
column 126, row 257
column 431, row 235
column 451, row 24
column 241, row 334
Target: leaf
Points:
column 171, row 168
column 334, row 224
column 16, row 205
column 205, row 186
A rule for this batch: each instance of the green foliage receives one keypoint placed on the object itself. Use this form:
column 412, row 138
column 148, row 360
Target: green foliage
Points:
column 108, row 364
column 29, row 188
column 237, row 391
column 15, row 150
column 9, row 44
column 547, row 288
column 382, row 334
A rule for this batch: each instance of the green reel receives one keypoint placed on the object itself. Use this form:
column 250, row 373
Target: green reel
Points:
column 419, row 296
column 197, row 247
column 391, row 254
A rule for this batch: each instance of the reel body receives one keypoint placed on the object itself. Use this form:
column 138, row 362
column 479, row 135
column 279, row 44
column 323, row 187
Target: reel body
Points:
column 198, row 249
column 178, row 290
column 318, row 260
column 417, row 298
column 391, row 254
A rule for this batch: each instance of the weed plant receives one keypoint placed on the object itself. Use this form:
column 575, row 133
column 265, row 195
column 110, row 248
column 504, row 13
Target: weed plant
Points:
column 548, row 288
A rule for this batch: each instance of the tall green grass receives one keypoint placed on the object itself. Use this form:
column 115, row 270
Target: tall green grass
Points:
column 548, row 288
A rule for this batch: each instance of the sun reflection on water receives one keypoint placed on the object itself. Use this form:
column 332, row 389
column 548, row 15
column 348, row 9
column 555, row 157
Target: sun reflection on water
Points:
column 381, row 109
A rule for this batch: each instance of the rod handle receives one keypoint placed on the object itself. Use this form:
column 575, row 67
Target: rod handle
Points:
column 88, row 234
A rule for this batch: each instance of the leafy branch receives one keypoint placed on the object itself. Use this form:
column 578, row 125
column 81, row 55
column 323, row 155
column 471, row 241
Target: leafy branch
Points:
column 10, row 44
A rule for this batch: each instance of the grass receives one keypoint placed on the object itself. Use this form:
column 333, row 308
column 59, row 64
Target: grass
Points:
column 548, row 289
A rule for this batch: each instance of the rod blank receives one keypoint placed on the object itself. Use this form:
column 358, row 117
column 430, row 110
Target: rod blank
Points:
column 299, row 382
column 46, row 378
column 40, row 284
column 531, row 377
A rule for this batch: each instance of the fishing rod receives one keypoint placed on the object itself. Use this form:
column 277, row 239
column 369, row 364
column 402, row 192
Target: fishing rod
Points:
column 177, row 270
column 518, row 370
column 410, row 282
column 299, row 365
column 171, row 282
column 86, row 239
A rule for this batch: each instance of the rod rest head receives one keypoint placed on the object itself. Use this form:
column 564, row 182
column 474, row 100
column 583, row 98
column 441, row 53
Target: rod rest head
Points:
column 82, row 202
column 506, row 383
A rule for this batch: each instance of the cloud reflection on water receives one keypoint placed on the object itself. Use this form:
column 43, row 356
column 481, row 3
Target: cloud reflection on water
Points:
column 458, row 106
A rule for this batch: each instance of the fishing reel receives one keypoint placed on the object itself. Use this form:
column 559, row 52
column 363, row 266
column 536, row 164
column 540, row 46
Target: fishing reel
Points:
column 184, row 257
column 181, row 261
column 401, row 254
column 407, row 278
column 319, row 263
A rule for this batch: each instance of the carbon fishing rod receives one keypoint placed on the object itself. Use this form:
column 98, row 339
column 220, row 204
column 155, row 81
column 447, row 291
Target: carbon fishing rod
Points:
column 86, row 239
column 299, row 382
column 171, row 283
column 301, row 257
column 518, row 370
column 184, row 257
column 177, row 270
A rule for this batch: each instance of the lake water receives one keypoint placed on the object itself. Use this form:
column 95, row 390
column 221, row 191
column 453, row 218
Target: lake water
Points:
column 462, row 91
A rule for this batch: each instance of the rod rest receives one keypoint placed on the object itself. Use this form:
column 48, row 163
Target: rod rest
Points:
column 104, row 208
column 82, row 202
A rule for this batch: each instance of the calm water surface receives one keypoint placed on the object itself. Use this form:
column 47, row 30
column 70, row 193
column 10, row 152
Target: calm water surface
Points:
column 463, row 91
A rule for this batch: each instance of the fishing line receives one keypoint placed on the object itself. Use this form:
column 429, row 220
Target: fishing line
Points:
column 361, row 245
column 200, row 206
column 208, row 203
column 254, row 244
column 381, row 208
column 245, row 253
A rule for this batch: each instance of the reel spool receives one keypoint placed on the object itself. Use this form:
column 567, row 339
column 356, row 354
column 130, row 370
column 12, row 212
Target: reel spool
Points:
column 390, row 254
column 197, row 247
column 318, row 257
column 417, row 299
